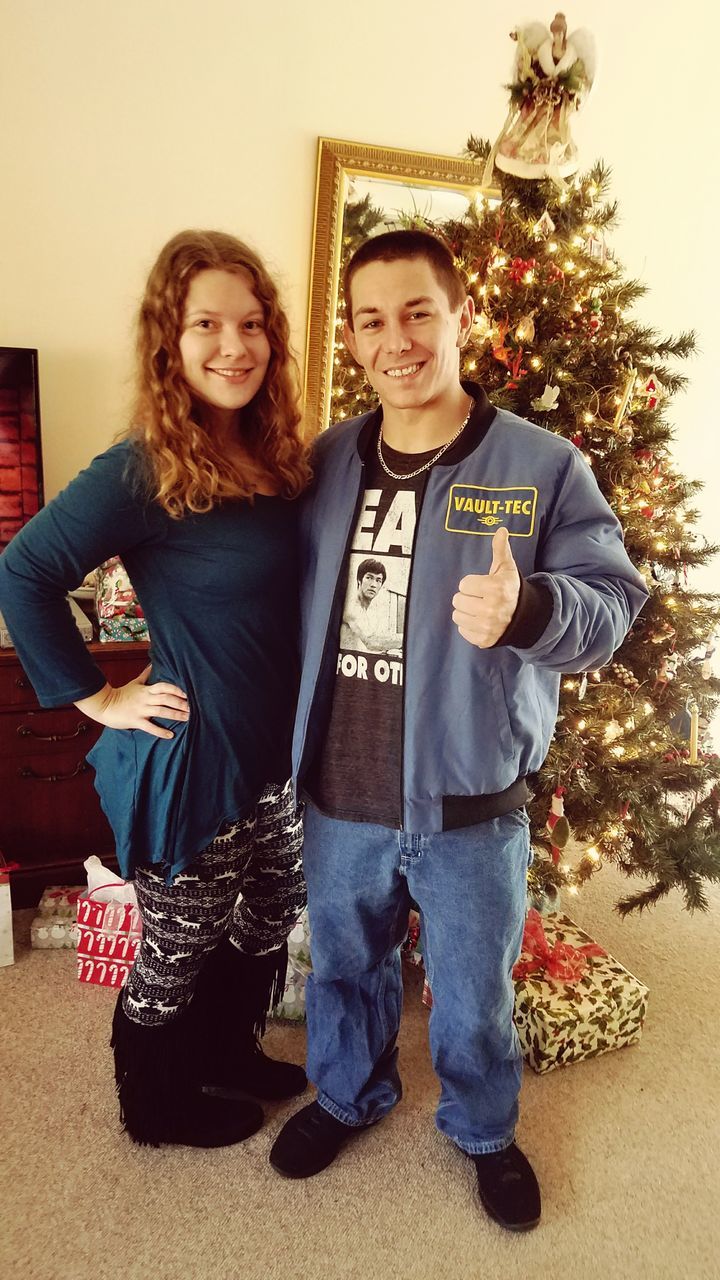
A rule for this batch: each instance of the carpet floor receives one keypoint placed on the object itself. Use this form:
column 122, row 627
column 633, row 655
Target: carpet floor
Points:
column 626, row 1147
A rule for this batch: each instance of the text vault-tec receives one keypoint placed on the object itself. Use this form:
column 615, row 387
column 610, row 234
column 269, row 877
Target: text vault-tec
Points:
column 475, row 508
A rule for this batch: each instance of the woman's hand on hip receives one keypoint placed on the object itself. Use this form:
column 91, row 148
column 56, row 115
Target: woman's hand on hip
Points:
column 130, row 706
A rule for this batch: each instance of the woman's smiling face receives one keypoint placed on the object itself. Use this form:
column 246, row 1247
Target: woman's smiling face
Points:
column 224, row 348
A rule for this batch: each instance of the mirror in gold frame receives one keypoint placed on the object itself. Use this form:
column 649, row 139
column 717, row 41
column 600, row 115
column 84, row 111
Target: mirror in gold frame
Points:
column 361, row 186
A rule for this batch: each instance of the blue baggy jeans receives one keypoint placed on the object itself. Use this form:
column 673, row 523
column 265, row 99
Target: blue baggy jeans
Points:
column 470, row 887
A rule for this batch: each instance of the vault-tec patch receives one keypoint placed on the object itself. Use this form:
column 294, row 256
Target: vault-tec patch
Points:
column 478, row 508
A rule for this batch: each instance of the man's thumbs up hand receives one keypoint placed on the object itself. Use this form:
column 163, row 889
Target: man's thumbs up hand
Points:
column 485, row 602
column 502, row 557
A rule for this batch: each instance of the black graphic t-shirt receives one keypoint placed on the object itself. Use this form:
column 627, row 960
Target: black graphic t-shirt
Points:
column 357, row 775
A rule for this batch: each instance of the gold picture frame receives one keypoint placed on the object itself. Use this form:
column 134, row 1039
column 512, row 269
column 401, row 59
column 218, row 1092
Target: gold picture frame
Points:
column 393, row 174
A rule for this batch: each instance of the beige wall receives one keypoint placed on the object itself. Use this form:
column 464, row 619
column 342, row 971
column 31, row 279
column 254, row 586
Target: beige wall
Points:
column 121, row 123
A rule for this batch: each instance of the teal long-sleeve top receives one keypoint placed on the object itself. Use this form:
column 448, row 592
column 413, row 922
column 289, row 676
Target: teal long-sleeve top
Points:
column 219, row 591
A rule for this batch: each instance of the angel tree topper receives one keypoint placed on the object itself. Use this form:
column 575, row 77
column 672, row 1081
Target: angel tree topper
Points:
column 553, row 75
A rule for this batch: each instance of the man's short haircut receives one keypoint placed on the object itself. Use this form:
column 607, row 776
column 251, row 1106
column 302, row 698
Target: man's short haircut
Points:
column 392, row 246
column 370, row 566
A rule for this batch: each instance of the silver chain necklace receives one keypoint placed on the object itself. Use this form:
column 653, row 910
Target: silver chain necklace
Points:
column 408, row 475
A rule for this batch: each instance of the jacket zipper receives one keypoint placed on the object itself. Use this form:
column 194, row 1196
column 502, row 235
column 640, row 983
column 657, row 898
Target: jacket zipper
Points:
column 340, row 587
column 421, row 500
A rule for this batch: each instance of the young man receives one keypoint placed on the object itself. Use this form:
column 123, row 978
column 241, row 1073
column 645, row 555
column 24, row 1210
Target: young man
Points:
column 416, row 770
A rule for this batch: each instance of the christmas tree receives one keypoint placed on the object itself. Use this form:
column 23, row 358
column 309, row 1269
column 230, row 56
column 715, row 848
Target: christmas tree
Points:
column 630, row 777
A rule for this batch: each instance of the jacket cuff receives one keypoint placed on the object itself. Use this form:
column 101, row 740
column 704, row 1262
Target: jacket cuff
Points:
column 532, row 613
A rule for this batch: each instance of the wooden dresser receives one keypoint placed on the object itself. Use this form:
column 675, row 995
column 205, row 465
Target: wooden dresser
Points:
column 50, row 815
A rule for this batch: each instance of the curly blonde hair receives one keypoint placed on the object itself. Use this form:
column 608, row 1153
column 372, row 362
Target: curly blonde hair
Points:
column 189, row 472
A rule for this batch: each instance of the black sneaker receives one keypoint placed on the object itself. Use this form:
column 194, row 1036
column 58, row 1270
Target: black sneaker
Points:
column 309, row 1142
column 508, row 1188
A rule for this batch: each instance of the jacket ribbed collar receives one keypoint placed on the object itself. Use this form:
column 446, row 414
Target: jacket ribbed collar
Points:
column 480, row 420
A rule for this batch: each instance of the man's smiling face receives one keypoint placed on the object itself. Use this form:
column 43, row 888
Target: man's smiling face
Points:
column 406, row 335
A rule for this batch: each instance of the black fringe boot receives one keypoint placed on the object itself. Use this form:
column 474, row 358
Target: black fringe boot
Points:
column 161, row 1097
column 234, row 995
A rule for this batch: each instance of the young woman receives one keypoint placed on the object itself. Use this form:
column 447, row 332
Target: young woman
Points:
column 192, row 767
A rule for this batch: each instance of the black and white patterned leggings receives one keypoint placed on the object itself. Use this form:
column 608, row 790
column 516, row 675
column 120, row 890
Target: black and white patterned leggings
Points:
column 247, row 885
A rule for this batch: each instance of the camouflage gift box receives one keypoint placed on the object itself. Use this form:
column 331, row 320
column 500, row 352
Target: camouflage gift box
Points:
column 572, row 1000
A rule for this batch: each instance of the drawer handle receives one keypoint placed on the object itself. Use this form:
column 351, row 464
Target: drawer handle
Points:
column 27, row 772
column 20, row 683
column 25, row 731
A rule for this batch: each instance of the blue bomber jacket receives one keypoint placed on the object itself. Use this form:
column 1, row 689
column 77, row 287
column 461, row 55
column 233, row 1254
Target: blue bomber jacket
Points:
column 476, row 722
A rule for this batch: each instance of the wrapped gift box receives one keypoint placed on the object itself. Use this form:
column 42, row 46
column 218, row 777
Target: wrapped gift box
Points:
column 292, row 1006
column 119, row 611
column 572, row 999
column 55, row 925
column 49, row 933
column 108, row 939
column 7, row 952
column 411, row 949
column 60, row 900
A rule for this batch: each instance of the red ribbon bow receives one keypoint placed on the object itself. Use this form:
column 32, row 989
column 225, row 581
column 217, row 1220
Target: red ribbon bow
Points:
column 561, row 961
column 71, row 895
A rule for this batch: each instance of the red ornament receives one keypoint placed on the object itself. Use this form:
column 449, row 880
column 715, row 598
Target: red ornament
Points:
column 577, row 439
column 500, row 351
column 652, row 390
column 520, row 267
column 591, row 317
column 648, row 512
